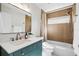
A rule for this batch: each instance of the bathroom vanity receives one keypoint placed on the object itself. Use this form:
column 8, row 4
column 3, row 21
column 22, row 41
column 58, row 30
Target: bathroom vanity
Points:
column 18, row 20
column 24, row 47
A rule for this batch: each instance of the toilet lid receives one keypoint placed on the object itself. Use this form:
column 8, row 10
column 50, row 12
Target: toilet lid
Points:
column 47, row 45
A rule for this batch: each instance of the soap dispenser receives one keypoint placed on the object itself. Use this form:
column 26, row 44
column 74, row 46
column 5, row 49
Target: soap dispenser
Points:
column 26, row 35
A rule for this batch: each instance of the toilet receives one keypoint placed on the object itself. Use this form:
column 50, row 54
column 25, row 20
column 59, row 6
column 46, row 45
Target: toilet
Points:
column 48, row 49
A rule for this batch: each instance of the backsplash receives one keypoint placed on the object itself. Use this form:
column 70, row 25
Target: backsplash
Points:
column 6, row 36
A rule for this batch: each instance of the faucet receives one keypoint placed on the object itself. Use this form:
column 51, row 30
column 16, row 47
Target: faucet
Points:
column 18, row 36
column 12, row 39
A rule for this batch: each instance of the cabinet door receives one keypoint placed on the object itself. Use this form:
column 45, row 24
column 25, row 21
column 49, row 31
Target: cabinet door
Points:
column 33, row 50
column 3, row 52
column 27, row 49
column 34, row 53
column 37, row 50
column 17, row 53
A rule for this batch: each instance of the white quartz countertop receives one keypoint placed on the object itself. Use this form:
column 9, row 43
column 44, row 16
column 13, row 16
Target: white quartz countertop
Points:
column 12, row 46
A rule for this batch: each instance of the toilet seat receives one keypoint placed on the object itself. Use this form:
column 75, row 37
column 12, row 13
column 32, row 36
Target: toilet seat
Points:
column 47, row 45
column 48, row 49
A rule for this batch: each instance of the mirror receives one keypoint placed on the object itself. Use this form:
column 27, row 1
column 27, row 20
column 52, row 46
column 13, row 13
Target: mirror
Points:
column 13, row 19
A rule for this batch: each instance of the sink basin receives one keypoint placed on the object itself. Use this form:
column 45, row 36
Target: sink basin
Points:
column 19, row 42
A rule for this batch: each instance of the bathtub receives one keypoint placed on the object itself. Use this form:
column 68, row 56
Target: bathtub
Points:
column 61, row 48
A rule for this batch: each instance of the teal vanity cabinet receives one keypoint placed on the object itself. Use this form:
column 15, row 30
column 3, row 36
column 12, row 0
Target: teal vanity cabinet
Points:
column 34, row 49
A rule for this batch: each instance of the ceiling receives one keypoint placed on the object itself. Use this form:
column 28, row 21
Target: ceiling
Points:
column 52, row 6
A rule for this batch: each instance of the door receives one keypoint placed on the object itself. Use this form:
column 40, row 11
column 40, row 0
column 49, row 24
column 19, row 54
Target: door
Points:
column 27, row 23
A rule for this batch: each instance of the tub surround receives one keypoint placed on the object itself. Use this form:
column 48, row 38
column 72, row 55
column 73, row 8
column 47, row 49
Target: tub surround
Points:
column 12, row 46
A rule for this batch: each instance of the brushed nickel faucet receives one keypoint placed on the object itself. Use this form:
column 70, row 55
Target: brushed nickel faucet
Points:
column 18, row 36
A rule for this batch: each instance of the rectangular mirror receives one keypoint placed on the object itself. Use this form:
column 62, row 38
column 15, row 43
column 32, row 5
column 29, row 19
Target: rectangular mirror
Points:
column 13, row 19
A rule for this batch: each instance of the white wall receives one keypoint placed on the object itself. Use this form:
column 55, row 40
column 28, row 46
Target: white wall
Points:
column 76, row 32
column 52, row 6
column 36, row 19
